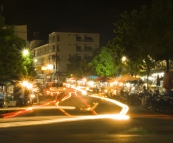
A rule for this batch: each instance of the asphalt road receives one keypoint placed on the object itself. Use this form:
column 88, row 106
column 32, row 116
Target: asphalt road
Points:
column 75, row 122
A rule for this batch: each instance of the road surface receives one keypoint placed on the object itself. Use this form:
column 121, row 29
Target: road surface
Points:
column 80, row 119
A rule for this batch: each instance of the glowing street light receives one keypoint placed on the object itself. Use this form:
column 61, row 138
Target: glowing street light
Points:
column 35, row 60
column 25, row 52
column 124, row 59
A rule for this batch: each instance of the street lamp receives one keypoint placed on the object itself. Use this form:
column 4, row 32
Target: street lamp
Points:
column 35, row 60
column 124, row 59
column 25, row 52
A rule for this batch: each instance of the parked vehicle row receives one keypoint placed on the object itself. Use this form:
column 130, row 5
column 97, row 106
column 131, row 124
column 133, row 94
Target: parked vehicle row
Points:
column 151, row 100
column 162, row 103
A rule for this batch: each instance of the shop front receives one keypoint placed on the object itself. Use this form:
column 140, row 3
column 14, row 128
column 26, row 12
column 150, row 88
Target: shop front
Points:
column 6, row 93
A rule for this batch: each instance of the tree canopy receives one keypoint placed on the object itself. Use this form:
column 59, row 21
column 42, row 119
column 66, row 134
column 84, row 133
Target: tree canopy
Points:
column 161, row 14
column 103, row 63
column 12, row 63
column 145, row 37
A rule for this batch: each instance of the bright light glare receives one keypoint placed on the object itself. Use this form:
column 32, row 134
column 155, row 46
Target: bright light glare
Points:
column 41, row 107
column 124, row 59
column 84, row 92
column 49, row 66
column 30, row 86
column 25, row 83
column 120, row 84
column 121, row 116
column 25, row 52
column 91, row 83
column 128, row 84
column 35, row 60
column 125, row 108
column 116, row 82
column 54, row 119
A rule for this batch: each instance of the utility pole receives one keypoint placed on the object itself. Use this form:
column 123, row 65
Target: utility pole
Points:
column 56, row 62
column 57, row 70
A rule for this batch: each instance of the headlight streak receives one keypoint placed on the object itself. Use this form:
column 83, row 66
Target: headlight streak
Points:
column 121, row 116
column 10, row 124
column 26, row 110
column 30, row 121
column 92, row 108
column 59, row 108
column 13, row 114
column 29, row 109
column 124, row 110
column 84, row 92
column 67, row 96
column 11, row 108
column 62, row 110
column 39, row 107
column 87, row 105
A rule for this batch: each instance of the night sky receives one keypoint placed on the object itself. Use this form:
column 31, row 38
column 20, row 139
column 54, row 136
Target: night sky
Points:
column 69, row 15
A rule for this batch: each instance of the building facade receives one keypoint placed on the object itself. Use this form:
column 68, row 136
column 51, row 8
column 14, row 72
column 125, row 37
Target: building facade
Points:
column 36, row 43
column 53, row 57
column 21, row 31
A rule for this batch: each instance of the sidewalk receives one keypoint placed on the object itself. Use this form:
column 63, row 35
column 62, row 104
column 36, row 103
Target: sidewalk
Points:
column 141, row 112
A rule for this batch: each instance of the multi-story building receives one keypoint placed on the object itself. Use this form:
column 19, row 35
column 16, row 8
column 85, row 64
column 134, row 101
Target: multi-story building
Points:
column 21, row 31
column 36, row 43
column 53, row 57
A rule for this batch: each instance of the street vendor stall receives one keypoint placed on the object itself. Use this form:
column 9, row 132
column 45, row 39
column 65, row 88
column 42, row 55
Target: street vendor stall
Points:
column 120, row 83
column 126, row 78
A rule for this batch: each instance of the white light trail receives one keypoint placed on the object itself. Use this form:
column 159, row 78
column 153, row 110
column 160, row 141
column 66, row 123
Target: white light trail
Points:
column 39, row 107
column 6, row 122
column 124, row 110
column 34, row 121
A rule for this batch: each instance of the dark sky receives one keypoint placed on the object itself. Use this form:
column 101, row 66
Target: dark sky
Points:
column 46, row 16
